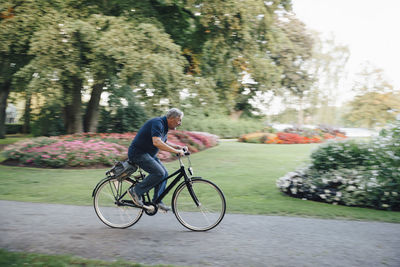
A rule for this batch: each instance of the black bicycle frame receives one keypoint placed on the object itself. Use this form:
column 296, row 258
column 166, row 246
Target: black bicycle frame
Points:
column 181, row 173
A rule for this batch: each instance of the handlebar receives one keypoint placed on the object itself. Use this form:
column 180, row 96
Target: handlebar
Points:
column 186, row 152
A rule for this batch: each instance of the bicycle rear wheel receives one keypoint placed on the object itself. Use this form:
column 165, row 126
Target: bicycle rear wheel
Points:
column 115, row 213
column 210, row 211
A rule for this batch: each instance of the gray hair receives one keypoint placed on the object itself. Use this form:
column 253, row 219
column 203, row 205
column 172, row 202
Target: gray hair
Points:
column 174, row 113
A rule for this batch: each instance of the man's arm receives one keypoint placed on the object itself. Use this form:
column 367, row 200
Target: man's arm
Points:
column 157, row 142
column 176, row 146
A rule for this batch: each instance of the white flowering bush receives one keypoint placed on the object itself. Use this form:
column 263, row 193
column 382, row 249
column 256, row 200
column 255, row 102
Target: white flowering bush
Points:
column 351, row 173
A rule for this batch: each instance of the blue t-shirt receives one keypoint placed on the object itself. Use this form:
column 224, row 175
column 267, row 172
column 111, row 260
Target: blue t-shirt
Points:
column 143, row 141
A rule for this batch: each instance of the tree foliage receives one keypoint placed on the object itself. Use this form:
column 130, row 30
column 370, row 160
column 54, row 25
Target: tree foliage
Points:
column 374, row 109
column 328, row 63
column 320, row 76
column 16, row 30
column 376, row 102
column 204, row 55
column 240, row 38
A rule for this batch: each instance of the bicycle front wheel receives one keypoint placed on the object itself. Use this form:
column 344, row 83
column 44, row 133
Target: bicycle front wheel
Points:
column 203, row 214
column 113, row 204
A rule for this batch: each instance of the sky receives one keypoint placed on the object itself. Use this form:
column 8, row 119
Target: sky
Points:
column 369, row 28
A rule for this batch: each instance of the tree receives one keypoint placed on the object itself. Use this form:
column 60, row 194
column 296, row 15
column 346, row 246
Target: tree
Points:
column 61, row 54
column 318, row 102
column 374, row 109
column 292, row 56
column 376, row 102
column 189, row 53
column 72, row 42
column 147, row 60
column 18, row 21
column 106, row 50
column 237, row 40
column 123, row 113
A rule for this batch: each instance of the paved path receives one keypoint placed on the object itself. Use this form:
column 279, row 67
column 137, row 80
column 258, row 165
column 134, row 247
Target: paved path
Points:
column 240, row 240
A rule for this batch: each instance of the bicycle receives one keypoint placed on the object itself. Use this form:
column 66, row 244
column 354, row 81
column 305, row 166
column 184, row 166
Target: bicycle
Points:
column 198, row 204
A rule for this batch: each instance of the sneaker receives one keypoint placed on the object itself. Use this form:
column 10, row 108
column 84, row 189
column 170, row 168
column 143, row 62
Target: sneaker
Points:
column 163, row 207
column 137, row 200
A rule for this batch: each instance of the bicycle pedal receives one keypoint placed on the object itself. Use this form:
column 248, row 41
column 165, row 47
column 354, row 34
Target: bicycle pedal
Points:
column 149, row 208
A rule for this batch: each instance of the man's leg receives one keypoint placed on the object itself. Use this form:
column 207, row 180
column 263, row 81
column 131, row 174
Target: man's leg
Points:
column 155, row 170
column 159, row 189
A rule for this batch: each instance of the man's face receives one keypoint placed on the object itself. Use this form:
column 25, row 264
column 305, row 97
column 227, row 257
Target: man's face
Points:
column 174, row 122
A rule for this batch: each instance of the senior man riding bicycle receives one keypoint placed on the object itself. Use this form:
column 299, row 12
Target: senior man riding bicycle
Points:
column 143, row 150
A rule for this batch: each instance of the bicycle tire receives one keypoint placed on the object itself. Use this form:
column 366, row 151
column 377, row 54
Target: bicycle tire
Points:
column 108, row 211
column 208, row 214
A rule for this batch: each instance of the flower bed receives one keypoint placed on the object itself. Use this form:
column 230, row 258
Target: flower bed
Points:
column 351, row 173
column 293, row 136
column 88, row 149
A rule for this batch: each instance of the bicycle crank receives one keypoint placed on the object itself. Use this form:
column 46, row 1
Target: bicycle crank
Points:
column 150, row 209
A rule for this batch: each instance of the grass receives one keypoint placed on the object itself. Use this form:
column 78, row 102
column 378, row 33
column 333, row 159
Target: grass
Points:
column 247, row 174
column 12, row 138
column 29, row 259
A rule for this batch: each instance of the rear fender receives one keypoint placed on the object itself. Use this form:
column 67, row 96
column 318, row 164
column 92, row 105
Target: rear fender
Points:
column 105, row 179
column 98, row 184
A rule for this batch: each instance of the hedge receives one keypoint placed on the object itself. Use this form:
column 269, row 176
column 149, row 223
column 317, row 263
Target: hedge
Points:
column 351, row 173
column 89, row 149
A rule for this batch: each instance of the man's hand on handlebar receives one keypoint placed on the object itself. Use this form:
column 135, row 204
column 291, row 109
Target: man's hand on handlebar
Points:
column 180, row 153
column 183, row 151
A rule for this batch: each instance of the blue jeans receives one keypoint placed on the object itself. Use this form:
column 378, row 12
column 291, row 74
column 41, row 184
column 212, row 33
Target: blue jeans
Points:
column 156, row 170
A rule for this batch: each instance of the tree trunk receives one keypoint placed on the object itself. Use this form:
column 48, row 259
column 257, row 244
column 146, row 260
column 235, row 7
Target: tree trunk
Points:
column 300, row 114
column 4, row 92
column 27, row 114
column 92, row 111
column 300, row 117
column 235, row 115
column 73, row 109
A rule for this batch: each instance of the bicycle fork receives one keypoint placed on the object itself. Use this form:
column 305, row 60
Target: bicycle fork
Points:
column 192, row 194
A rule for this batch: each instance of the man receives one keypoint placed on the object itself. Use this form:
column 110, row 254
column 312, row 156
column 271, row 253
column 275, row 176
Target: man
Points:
column 143, row 151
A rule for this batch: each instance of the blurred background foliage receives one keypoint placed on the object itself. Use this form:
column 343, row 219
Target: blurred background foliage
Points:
column 87, row 66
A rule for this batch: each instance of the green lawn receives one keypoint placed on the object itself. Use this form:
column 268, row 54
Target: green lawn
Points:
column 12, row 138
column 247, row 174
column 31, row 259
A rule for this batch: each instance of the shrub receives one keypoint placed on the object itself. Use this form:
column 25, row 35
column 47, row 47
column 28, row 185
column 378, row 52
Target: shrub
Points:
column 123, row 113
column 49, row 122
column 334, row 155
column 291, row 136
column 224, row 127
column 88, row 149
column 303, row 131
column 351, row 173
column 14, row 128
column 125, row 119
column 330, row 130
column 52, row 152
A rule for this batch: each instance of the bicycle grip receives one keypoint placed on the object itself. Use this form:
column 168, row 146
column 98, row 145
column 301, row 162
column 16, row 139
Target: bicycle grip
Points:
column 186, row 152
